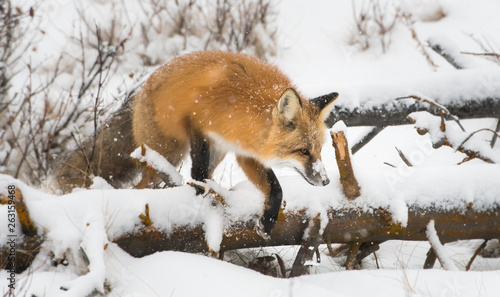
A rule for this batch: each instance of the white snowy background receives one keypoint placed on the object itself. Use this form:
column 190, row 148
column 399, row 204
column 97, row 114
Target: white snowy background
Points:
column 318, row 47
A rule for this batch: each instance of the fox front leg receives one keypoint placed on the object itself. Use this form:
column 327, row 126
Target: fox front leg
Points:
column 272, row 204
column 265, row 180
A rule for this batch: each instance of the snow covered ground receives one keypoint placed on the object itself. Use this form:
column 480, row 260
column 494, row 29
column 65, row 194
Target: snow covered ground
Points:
column 317, row 49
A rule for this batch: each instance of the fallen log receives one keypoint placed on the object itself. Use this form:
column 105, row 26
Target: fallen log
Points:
column 351, row 223
column 344, row 226
column 393, row 113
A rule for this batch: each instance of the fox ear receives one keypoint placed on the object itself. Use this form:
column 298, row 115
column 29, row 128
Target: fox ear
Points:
column 289, row 106
column 325, row 104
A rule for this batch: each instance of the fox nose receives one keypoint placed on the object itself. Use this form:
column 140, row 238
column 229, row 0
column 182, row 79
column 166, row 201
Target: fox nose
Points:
column 326, row 182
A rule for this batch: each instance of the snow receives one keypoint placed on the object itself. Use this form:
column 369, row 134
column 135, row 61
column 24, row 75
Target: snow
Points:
column 175, row 273
column 450, row 48
column 94, row 242
column 316, row 50
column 455, row 136
column 438, row 248
column 338, row 126
column 319, row 168
column 146, row 155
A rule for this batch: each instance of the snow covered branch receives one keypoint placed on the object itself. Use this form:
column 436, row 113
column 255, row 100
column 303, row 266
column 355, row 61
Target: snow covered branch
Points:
column 93, row 245
column 157, row 164
column 468, row 93
column 344, row 226
column 390, row 113
column 181, row 221
column 438, row 247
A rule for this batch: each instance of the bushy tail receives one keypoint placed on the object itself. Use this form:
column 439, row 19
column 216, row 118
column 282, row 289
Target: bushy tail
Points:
column 107, row 156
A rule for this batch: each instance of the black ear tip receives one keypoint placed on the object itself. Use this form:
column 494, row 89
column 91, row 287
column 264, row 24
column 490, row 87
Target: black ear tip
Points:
column 324, row 100
column 331, row 96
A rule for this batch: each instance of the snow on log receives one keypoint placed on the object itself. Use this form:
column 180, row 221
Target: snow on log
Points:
column 157, row 164
column 466, row 93
column 94, row 242
column 392, row 113
column 344, row 226
column 464, row 202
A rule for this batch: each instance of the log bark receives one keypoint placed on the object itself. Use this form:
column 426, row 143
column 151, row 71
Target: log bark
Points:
column 19, row 256
column 350, row 262
column 307, row 249
column 344, row 226
column 396, row 114
column 366, row 139
column 430, row 260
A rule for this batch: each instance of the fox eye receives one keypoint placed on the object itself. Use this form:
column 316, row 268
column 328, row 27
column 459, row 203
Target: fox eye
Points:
column 305, row 152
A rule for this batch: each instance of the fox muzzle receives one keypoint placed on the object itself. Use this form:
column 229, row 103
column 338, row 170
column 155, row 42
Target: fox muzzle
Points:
column 315, row 174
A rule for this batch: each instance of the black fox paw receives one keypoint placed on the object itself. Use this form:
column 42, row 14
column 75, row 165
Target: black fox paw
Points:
column 263, row 229
column 199, row 190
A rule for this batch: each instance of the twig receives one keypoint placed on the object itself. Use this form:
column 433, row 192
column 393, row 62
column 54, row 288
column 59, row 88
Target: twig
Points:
column 350, row 262
column 410, row 23
column 403, row 157
column 443, row 53
column 430, row 259
column 376, row 259
column 366, row 249
column 495, row 135
column 145, row 219
column 366, row 139
column 482, row 54
column 487, row 47
column 494, row 138
column 441, row 107
column 478, row 250
column 389, row 164
column 208, row 192
column 281, row 265
column 335, row 252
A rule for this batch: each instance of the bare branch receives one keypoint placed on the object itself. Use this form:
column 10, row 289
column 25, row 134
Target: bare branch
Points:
column 478, row 250
column 442, row 109
column 482, row 54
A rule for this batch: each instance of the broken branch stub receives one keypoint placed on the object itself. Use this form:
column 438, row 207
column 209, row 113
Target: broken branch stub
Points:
column 307, row 248
column 342, row 155
column 27, row 225
column 28, row 248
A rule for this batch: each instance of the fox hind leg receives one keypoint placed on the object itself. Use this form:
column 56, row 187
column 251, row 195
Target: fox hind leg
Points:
column 200, row 157
column 205, row 158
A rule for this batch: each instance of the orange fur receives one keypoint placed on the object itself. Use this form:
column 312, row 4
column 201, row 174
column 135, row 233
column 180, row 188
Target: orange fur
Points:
column 231, row 99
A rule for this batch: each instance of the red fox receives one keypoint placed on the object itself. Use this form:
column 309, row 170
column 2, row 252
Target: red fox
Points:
column 210, row 103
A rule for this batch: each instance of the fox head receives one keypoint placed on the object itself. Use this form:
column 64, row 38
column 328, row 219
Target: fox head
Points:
column 298, row 133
